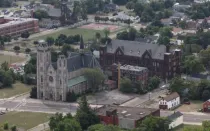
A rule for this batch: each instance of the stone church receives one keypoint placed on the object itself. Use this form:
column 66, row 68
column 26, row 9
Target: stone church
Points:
column 54, row 80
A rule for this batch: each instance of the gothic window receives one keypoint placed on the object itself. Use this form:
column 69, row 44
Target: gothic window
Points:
column 51, row 79
column 60, row 97
column 41, row 78
column 60, row 82
column 60, row 63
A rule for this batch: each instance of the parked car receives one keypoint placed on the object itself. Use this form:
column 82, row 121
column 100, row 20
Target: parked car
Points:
column 187, row 102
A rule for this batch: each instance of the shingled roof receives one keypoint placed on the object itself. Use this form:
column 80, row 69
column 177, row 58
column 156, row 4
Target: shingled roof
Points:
column 172, row 96
column 136, row 48
column 76, row 61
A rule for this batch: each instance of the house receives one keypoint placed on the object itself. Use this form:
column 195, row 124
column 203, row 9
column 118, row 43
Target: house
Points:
column 134, row 73
column 176, row 31
column 170, row 101
column 124, row 117
column 206, row 106
column 49, row 23
column 181, row 8
column 157, row 58
column 176, row 119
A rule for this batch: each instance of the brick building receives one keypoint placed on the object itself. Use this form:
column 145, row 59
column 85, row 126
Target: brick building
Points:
column 16, row 26
column 124, row 117
column 134, row 73
column 206, row 106
column 158, row 59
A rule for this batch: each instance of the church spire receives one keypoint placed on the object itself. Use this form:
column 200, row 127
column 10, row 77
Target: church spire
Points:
column 81, row 43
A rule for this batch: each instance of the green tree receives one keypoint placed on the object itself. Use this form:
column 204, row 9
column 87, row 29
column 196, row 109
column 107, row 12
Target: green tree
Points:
column 7, row 80
column 16, row 48
column 153, row 82
column 50, row 41
column 39, row 14
column 6, row 126
column 206, row 125
column 132, row 33
column 177, row 85
column 95, row 78
column 67, row 48
column 100, row 127
column 25, row 35
column 205, row 56
column 85, row 115
column 205, row 95
column 98, row 36
column 183, row 24
column 27, row 50
column 5, row 66
column 193, row 65
column 126, row 85
column 71, row 97
column 106, row 32
column 13, row 128
column 152, row 123
column 130, row 5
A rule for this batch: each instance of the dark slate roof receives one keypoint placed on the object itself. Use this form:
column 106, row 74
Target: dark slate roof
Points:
column 175, row 115
column 53, row 12
column 172, row 96
column 135, row 48
column 77, row 61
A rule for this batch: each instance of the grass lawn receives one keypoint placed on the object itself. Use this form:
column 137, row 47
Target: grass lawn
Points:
column 10, row 59
column 24, row 120
column 86, row 33
column 18, row 88
column 180, row 128
column 194, row 106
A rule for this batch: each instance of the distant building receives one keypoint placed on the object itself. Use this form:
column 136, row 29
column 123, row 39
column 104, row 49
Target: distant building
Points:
column 170, row 101
column 181, row 8
column 16, row 26
column 49, row 23
column 206, row 106
column 134, row 73
column 176, row 119
column 124, row 117
column 111, row 7
column 158, row 59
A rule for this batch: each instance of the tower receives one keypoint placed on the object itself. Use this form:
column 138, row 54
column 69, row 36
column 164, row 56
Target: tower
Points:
column 43, row 62
column 62, row 78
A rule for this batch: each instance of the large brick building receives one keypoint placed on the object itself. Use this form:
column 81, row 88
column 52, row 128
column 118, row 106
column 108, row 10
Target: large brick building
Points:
column 124, row 117
column 159, row 59
column 16, row 26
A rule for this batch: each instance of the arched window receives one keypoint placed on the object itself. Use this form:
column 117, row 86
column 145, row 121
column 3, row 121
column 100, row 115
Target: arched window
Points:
column 60, row 63
column 60, row 82
column 41, row 78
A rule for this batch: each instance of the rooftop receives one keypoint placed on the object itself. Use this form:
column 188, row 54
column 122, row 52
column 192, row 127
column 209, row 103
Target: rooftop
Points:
column 172, row 96
column 15, row 21
column 134, row 113
column 132, row 68
column 76, row 81
column 175, row 115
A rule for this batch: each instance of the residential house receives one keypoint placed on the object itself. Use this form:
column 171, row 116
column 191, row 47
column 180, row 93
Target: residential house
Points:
column 170, row 101
column 124, row 117
column 180, row 8
column 176, row 119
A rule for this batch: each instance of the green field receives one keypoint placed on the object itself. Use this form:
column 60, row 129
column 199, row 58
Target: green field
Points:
column 11, row 59
column 86, row 33
column 180, row 128
column 18, row 88
column 24, row 120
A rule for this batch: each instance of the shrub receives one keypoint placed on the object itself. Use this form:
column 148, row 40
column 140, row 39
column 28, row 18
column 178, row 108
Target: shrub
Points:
column 6, row 126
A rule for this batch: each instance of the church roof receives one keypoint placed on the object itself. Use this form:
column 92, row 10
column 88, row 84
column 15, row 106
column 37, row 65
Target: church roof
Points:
column 76, row 81
column 77, row 61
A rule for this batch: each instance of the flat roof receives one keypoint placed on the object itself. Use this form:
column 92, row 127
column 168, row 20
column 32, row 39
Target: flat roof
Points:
column 15, row 21
column 76, row 81
column 134, row 113
column 132, row 68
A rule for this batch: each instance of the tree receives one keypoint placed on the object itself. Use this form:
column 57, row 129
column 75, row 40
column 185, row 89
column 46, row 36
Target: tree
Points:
column 130, row 5
column 126, row 85
column 193, row 65
column 85, row 115
column 27, row 50
column 16, row 48
column 154, row 82
column 183, row 24
column 98, row 36
column 33, row 92
column 122, row 35
column 13, row 128
column 177, row 85
column 5, row 66
column 71, row 97
column 67, row 48
column 206, row 125
column 205, row 95
column 7, row 80
column 106, row 32
column 36, row 42
column 100, row 127
column 39, row 14
column 25, row 35
column 50, row 41
column 205, row 57
column 152, row 123
column 120, row 2
column 132, row 34
column 6, row 126
column 95, row 78
column 58, row 122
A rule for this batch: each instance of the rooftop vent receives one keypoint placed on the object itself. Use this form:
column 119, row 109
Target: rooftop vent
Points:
column 123, row 112
column 142, row 113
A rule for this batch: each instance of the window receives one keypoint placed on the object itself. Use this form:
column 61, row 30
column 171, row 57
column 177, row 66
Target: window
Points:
column 51, row 79
column 41, row 78
column 60, row 82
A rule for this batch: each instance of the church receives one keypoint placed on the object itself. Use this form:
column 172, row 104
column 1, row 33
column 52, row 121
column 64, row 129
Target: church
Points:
column 55, row 79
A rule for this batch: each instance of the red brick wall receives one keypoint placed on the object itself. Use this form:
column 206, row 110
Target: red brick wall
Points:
column 109, row 120
column 205, row 106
